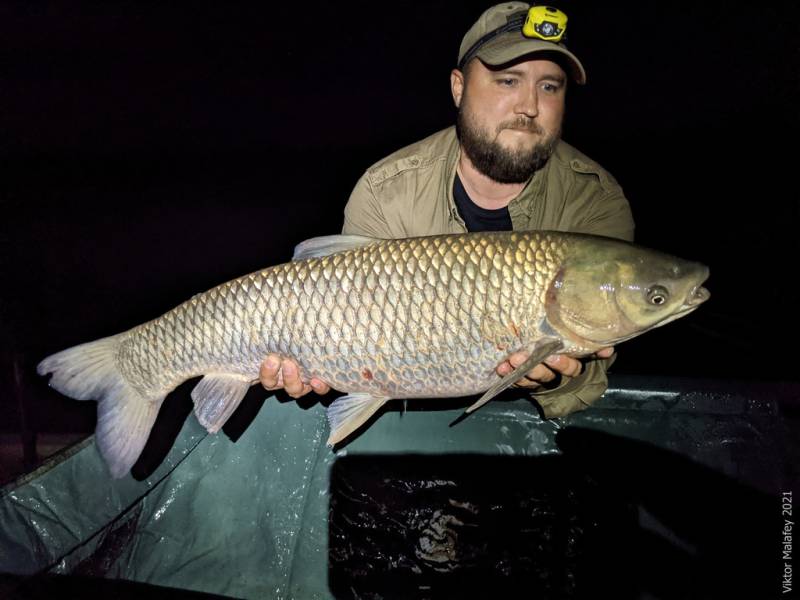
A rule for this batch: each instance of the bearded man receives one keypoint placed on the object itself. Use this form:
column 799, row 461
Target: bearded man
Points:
column 503, row 166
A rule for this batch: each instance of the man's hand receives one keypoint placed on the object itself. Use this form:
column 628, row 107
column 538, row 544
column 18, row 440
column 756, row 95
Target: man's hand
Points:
column 276, row 374
column 546, row 371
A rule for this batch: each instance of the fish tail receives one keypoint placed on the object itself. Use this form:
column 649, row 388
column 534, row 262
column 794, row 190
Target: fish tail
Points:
column 124, row 416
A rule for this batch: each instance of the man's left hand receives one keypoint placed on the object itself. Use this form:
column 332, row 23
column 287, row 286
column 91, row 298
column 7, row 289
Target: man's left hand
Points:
column 548, row 370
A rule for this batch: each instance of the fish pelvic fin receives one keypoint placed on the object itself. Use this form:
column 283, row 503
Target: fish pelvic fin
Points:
column 217, row 396
column 541, row 351
column 348, row 413
column 124, row 416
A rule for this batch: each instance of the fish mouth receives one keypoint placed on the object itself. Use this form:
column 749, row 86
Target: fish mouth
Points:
column 697, row 296
column 698, row 293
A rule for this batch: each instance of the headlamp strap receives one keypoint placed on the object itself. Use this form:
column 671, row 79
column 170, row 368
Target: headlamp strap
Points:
column 514, row 23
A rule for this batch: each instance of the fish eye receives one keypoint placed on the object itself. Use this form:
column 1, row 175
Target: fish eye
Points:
column 657, row 295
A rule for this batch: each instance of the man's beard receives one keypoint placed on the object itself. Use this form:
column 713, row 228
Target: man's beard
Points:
column 497, row 162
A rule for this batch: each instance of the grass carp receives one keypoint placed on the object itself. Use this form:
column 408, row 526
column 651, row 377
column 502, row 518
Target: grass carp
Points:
column 379, row 319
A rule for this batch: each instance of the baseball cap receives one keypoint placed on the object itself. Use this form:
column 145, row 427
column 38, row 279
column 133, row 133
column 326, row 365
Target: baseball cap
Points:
column 510, row 45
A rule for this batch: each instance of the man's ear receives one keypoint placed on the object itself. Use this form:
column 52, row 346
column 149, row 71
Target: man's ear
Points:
column 457, row 86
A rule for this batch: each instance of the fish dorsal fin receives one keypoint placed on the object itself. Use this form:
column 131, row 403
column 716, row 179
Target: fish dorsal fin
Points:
column 216, row 397
column 330, row 244
column 350, row 412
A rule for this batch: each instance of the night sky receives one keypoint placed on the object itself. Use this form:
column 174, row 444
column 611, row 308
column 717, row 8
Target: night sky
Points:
column 150, row 153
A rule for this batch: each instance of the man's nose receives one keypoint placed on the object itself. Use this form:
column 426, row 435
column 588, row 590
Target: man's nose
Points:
column 528, row 102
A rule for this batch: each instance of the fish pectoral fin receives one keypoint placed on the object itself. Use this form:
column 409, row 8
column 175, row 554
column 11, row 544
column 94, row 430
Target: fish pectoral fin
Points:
column 541, row 351
column 217, row 396
column 348, row 413
column 329, row 244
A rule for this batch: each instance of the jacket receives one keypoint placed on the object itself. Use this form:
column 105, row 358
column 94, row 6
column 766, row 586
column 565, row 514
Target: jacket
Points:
column 410, row 193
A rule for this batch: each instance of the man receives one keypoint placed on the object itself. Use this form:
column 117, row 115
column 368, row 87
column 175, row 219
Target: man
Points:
column 502, row 167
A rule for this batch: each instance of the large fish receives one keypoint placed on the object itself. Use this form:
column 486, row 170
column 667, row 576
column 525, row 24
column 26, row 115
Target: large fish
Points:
column 379, row 319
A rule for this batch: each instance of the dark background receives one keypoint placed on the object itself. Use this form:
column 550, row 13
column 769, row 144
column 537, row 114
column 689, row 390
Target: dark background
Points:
column 150, row 152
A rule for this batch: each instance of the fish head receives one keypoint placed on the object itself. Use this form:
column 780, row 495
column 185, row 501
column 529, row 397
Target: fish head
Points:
column 609, row 291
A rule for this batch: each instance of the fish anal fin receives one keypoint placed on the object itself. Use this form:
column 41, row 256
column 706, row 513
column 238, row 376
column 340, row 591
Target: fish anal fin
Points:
column 348, row 413
column 542, row 350
column 217, row 396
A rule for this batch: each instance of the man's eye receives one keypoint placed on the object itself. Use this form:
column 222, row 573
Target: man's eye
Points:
column 550, row 87
column 508, row 82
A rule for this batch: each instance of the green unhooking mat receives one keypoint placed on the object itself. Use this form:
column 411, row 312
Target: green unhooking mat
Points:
column 664, row 488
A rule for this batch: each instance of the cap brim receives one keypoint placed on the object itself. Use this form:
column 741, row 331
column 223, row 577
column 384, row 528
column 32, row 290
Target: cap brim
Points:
column 509, row 48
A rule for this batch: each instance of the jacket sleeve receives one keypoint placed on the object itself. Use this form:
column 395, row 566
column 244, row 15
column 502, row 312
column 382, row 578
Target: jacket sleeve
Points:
column 363, row 214
column 609, row 215
column 576, row 393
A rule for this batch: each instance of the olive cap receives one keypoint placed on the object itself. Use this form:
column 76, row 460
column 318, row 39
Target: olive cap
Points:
column 511, row 45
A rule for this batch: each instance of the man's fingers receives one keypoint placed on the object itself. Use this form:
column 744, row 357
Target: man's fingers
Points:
column 511, row 363
column 544, row 372
column 536, row 376
column 571, row 367
column 533, row 378
column 605, row 352
column 320, row 387
column 517, row 359
column 291, row 379
column 270, row 372
column 276, row 374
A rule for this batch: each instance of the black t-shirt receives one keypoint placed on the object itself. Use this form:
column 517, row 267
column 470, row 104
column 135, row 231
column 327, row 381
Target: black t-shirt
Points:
column 477, row 218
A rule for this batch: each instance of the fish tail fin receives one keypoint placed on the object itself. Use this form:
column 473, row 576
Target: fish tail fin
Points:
column 124, row 416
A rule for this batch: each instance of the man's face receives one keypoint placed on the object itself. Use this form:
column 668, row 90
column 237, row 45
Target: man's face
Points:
column 509, row 118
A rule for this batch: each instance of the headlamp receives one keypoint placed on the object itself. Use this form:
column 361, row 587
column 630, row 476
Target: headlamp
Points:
column 546, row 23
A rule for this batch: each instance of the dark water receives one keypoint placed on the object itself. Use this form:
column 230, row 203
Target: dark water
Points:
column 611, row 517
column 461, row 525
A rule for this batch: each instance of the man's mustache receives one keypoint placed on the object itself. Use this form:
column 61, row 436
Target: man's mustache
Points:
column 523, row 124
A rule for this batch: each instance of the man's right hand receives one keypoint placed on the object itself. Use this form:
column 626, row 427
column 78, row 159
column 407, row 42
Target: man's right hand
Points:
column 284, row 374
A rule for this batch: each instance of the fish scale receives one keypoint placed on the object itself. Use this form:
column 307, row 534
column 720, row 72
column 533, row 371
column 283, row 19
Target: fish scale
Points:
column 377, row 319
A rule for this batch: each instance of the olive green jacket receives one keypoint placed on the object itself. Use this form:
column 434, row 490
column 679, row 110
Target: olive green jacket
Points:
column 410, row 193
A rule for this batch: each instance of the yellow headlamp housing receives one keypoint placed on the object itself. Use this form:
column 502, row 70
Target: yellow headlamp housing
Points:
column 545, row 23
